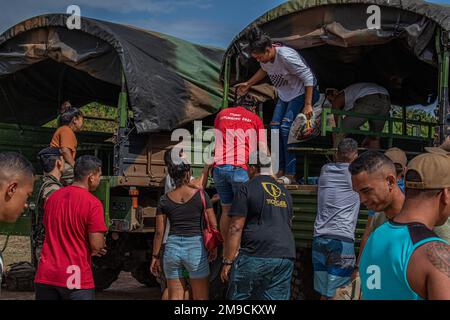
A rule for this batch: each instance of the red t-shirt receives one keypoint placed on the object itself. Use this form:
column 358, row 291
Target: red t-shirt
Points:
column 238, row 132
column 70, row 214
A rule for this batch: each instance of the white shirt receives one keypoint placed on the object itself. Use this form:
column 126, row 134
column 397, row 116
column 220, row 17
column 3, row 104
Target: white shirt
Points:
column 289, row 73
column 359, row 90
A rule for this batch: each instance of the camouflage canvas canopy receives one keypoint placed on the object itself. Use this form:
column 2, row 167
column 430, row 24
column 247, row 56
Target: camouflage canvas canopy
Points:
column 42, row 63
column 335, row 39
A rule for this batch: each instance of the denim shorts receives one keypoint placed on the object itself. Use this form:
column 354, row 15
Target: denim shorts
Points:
column 228, row 180
column 254, row 278
column 188, row 253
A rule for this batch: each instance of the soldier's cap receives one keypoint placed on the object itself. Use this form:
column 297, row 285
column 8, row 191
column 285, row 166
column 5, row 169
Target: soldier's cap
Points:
column 433, row 169
column 397, row 156
column 442, row 149
column 49, row 151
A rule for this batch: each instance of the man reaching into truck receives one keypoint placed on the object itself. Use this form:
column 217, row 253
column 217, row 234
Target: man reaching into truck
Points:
column 365, row 98
column 238, row 132
column 333, row 250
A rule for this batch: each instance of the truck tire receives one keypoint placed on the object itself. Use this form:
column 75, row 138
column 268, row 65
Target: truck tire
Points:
column 143, row 275
column 302, row 287
column 104, row 277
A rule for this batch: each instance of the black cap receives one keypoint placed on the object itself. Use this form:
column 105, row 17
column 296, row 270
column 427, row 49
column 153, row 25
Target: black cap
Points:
column 49, row 151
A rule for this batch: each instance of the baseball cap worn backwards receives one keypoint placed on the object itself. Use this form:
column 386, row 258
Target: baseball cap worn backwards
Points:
column 433, row 169
column 397, row 156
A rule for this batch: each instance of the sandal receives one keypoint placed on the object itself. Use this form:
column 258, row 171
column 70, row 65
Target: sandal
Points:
column 284, row 180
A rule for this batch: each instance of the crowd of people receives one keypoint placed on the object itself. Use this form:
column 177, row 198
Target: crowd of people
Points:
column 401, row 256
column 69, row 221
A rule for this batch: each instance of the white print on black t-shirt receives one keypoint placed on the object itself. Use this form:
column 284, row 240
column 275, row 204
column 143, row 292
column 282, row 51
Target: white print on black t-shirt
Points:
column 278, row 80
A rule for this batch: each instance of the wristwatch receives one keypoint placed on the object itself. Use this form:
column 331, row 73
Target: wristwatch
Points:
column 227, row 262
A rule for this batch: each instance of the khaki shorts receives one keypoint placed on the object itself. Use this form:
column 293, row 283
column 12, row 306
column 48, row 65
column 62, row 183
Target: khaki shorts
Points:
column 374, row 105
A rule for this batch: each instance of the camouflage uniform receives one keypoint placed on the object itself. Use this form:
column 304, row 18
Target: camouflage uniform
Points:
column 67, row 177
column 49, row 185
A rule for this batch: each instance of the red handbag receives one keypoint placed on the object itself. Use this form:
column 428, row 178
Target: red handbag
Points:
column 211, row 237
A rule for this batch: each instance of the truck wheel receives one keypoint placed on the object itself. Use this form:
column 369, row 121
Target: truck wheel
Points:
column 104, row 277
column 303, row 276
column 143, row 275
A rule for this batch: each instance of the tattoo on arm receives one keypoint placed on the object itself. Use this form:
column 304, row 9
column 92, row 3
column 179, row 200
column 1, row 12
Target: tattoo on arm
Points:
column 438, row 254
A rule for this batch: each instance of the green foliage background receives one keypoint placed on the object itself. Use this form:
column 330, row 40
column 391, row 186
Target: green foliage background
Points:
column 97, row 110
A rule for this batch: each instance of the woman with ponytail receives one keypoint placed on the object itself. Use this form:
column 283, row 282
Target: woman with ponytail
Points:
column 185, row 248
column 296, row 87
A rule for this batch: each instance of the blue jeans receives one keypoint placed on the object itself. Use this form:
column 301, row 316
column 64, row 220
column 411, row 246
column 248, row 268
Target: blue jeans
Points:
column 255, row 278
column 283, row 116
column 228, row 180
column 185, row 252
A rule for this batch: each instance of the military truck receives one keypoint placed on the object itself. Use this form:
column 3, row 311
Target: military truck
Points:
column 162, row 83
column 154, row 82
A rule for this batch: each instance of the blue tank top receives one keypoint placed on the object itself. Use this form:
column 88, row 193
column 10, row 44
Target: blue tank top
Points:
column 385, row 259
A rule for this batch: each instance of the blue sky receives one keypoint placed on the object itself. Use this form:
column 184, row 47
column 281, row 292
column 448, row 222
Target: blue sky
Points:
column 209, row 22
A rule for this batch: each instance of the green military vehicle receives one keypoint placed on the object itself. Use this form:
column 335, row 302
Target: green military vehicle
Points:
column 163, row 83
column 153, row 83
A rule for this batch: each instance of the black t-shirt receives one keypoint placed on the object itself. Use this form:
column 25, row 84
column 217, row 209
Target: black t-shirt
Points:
column 186, row 218
column 267, row 206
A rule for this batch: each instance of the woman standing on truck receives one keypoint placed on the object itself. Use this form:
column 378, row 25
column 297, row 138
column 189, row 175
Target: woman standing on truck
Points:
column 296, row 87
column 184, row 247
column 70, row 122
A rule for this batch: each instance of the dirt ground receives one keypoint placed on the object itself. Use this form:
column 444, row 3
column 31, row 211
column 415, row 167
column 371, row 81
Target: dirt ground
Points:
column 125, row 288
